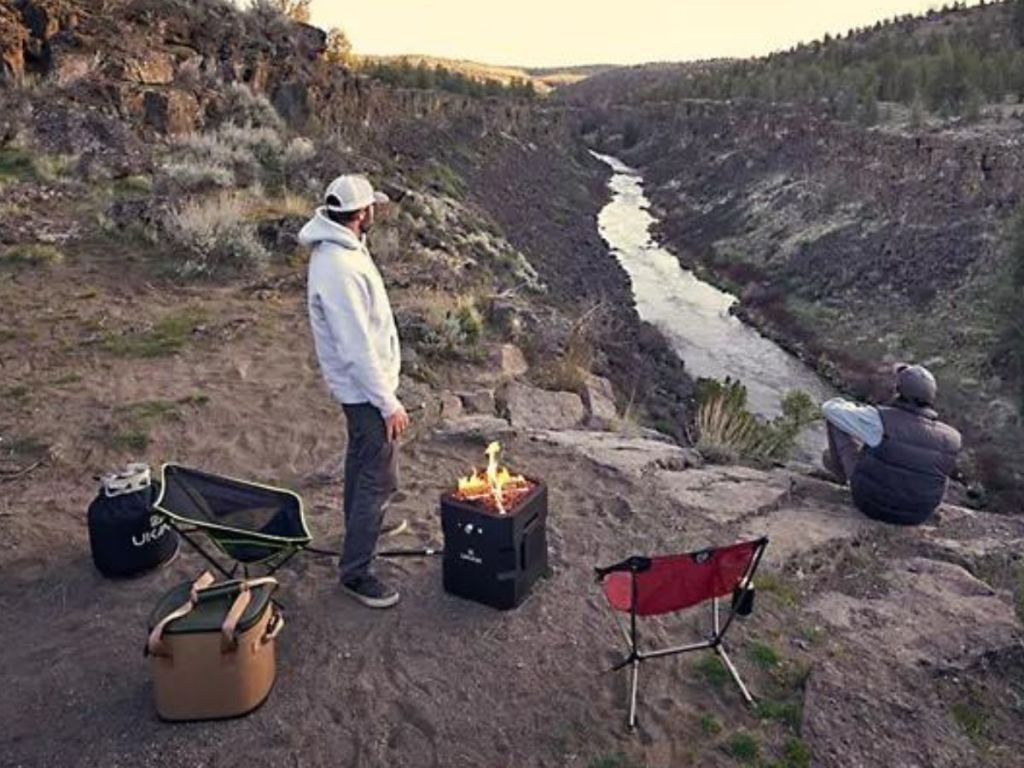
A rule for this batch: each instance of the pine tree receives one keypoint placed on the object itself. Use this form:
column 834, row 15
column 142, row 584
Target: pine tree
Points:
column 296, row 10
column 339, row 48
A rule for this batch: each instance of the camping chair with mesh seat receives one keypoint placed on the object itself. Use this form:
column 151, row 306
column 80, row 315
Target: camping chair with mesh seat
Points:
column 252, row 524
column 653, row 586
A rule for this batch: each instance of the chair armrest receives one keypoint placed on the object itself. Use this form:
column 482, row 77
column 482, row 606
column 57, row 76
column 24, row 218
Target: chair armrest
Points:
column 634, row 564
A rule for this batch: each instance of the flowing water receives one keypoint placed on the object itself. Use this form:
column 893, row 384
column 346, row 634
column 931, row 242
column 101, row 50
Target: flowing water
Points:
column 694, row 315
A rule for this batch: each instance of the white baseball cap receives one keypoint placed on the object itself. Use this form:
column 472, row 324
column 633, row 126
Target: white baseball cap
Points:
column 353, row 192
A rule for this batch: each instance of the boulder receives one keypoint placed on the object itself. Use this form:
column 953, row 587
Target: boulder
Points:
column 532, row 408
column 451, row 406
column 13, row 37
column 478, row 401
column 599, row 399
column 170, row 111
column 890, row 653
column 509, row 361
column 292, row 102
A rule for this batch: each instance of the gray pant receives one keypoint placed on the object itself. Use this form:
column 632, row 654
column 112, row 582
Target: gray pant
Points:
column 371, row 477
column 843, row 452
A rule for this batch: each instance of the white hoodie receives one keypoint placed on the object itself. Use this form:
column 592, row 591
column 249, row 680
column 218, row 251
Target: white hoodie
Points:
column 353, row 328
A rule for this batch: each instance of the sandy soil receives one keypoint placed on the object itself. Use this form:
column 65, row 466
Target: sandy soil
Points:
column 440, row 681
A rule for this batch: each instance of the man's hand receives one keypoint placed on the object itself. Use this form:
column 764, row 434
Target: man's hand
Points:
column 396, row 424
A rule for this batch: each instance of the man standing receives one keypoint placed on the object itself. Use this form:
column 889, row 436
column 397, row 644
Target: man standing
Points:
column 897, row 458
column 357, row 345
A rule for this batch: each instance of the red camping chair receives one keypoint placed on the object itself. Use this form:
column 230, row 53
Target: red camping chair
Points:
column 651, row 586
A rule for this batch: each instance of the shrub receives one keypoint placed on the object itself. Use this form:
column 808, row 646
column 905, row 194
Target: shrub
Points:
column 728, row 431
column 442, row 324
column 764, row 655
column 261, row 142
column 233, row 154
column 243, row 107
column 216, row 238
column 16, row 164
column 33, row 254
column 797, row 754
column 709, row 725
column 461, row 329
column 193, row 176
column 21, row 164
column 711, row 668
column 789, row 712
column 299, row 150
column 743, row 747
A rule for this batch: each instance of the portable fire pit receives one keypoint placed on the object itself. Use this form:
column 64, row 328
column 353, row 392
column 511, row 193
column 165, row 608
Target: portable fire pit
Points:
column 495, row 537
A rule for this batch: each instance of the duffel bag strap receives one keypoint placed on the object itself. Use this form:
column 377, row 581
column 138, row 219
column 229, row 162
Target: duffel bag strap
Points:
column 155, row 645
column 227, row 629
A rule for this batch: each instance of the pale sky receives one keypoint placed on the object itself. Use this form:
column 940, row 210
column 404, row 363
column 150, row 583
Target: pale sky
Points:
column 560, row 32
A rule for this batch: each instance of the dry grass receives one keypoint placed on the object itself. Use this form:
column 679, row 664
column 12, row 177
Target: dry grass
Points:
column 288, row 204
column 568, row 372
column 22, row 164
column 31, row 254
column 167, row 336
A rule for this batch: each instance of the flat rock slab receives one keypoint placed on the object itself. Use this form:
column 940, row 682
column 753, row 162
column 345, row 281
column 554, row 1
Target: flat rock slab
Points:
column 476, row 429
column 933, row 613
column 632, row 456
column 724, row 494
column 798, row 529
column 888, row 656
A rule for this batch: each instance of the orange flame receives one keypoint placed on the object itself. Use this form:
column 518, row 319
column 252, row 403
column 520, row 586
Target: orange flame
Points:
column 495, row 484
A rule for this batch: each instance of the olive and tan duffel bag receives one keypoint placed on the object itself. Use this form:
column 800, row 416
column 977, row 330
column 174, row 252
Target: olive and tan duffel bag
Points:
column 212, row 648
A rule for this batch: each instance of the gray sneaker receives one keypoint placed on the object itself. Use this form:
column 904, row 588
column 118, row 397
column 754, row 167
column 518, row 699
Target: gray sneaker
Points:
column 370, row 591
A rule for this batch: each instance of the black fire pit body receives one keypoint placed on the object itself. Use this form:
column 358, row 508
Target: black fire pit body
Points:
column 492, row 558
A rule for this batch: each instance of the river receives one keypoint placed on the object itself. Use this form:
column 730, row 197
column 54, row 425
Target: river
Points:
column 693, row 314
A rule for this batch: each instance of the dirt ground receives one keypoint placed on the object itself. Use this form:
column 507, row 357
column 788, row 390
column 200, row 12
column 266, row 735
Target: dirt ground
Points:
column 438, row 681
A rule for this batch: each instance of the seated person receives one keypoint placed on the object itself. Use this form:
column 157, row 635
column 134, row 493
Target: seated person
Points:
column 897, row 458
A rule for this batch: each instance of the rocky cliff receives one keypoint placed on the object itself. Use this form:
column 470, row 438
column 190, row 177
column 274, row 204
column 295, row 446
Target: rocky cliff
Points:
column 118, row 85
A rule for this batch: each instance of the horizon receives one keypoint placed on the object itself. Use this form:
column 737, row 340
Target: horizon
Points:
column 574, row 34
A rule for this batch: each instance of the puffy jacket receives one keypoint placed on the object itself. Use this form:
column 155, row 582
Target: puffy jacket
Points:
column 903, row 479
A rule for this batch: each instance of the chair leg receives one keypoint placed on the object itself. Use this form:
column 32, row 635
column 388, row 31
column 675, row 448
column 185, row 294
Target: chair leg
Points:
column 720, row 650
column 633, row 692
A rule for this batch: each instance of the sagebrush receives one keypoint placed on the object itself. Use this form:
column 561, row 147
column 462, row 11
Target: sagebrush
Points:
column 216, row 239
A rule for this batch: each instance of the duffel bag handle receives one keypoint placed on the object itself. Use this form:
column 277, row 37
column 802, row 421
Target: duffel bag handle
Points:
column 275, row 626
column 155, row 645
column 228, row 641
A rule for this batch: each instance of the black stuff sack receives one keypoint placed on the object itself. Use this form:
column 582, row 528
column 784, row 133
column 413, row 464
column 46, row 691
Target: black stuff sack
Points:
column 126, row 535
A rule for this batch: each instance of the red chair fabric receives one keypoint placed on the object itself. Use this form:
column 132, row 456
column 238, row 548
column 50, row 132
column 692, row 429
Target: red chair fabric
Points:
column 674, row 582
